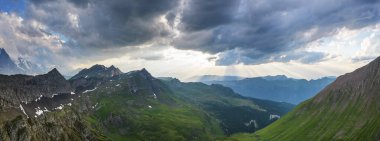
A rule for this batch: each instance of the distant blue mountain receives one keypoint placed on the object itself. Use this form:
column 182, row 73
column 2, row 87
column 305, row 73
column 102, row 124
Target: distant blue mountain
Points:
column 205, row 78
column 21, row 66
column 277, row 88
column 276, row 77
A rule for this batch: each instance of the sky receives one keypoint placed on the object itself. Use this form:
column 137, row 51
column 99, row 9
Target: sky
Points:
column 186, row 38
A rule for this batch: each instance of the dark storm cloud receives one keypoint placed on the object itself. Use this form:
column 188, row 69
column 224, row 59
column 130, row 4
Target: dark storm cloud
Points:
column 240, row 31
column 41, row 1
column 82, row 3
column 261, row 30
column 201, row 14
column 113, row 23
column 28, row 40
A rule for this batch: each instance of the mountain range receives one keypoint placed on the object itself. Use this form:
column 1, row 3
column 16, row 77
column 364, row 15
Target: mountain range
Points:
column 347, row 109
column 98, row 71
column 276, row 88
column 20, row 66
column 207, row 78
column 102, row 103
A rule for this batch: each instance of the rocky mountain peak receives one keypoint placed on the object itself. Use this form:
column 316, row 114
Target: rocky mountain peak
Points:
column 145, row 73
column 112, row 67
column 276, row 77
column 144, row 70
column 98, row 71
column 98, row 67
column 55, row 73
column 7, row 66
column 364, row 75
column 4, row 55
column 23, row 63
column 115, row 70
column 27, row 67
column 19, row 66
column 15, row 89
column 2, row 50
column 359, row 84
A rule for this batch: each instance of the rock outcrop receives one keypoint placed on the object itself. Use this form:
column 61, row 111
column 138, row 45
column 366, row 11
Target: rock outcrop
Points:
column 7, row 66
column 98, row 71
column 17, row 89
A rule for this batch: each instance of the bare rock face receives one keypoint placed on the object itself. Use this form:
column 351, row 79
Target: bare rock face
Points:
column 363, row 83
column 48, row 127
column 98, row 71
column 15, row 89
column 141, row 81
column 27, row 67
column 89, row 78
column 19, row 66
column 7, row 66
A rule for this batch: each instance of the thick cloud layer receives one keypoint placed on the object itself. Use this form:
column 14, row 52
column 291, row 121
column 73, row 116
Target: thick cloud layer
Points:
column 200, row 14
column 261, row 30
column 103, row 24
column 238, row 31
column 30, row 40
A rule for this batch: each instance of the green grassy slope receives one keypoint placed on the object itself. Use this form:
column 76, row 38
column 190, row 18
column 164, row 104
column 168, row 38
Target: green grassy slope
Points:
column 123, row 114
column 235, row 113
column 348, row 109
column 136, row 107
column 322, row 123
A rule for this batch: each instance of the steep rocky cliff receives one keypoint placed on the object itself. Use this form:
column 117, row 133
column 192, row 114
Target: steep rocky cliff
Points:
column 7, row 66
column 39, row 108
column 89, row 78
column 98, row 71
column 17, row 89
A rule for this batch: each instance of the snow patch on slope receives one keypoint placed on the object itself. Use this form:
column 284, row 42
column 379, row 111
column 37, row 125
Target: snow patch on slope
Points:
column 23, row 111
column 90, row 90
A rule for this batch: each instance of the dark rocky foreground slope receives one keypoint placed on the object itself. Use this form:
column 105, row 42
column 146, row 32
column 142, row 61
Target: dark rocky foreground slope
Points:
column 25, row 99
column 17, row 89
column 125, row 106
